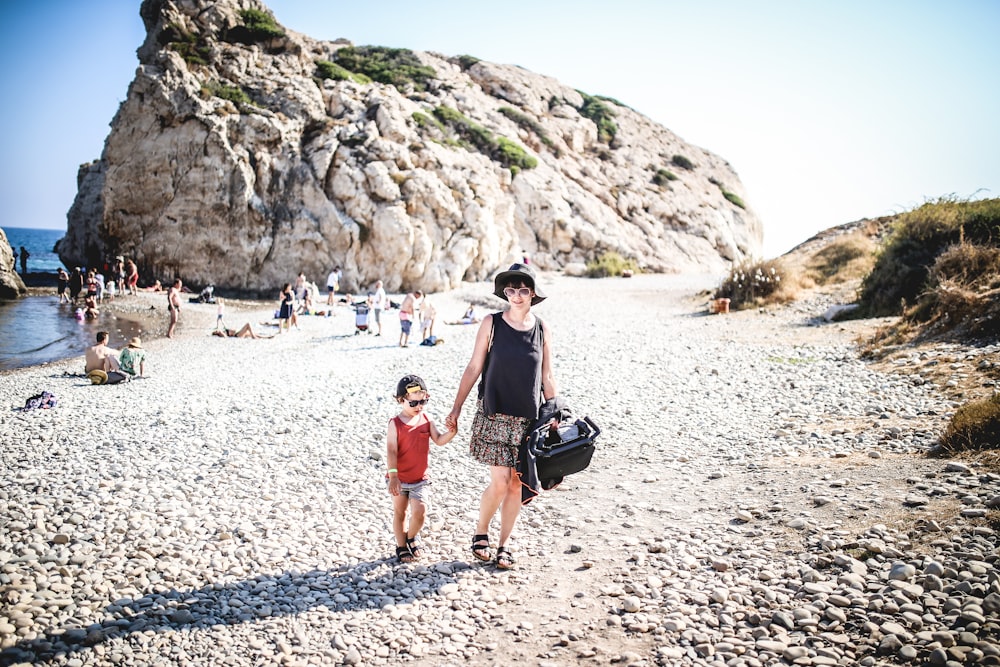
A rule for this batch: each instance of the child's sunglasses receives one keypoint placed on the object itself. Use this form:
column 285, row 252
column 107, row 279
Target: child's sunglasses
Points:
column 414, row 404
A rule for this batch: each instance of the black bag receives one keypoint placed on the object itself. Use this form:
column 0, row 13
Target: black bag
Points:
column 564, row 450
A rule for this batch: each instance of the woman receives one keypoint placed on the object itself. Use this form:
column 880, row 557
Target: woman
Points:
column 286, row 313
column 513, row 354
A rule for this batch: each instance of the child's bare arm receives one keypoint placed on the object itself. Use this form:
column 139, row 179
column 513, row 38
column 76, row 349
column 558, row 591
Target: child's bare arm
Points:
column 441, row 438
column 391, row 458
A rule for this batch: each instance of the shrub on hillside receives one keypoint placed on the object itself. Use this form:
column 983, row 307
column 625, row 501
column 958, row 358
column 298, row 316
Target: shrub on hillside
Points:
column 610, row 264
column 902, row 271
column 528, row 123
column 682, row 162
column 396, row 67
column 328, row 70
column 234, row 94
column 755, row 283
column 974, row 426
column 258, row 26
column 733, row 198
column 664, row 176
column 503, row 150
column 601, row 114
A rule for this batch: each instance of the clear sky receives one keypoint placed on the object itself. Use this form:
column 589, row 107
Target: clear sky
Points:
column 829, row 111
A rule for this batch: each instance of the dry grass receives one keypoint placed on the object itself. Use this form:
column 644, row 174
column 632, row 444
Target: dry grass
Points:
column 848, row 257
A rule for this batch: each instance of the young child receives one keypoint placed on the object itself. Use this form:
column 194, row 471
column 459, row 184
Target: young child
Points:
column 407, row 445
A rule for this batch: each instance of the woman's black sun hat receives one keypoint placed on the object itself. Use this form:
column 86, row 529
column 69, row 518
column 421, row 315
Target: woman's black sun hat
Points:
column 517, row 272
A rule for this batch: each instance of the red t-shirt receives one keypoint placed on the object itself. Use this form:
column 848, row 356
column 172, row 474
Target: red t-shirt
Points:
column 412, row 447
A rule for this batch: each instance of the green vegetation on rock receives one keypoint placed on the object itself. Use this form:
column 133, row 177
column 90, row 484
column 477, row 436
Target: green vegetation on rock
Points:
column 258, row 27
column 682, row 162
column 465, row 62
column 601, row 114
column 328, row 70
column 528, row 123
column 191, row 47
column 501, row 149
column 664, row 176
column 396, row 67
column 234, row 94
column 733, row 198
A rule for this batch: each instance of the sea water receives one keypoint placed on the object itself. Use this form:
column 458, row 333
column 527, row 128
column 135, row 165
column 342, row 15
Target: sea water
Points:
column 38, row 329
column 40, row 244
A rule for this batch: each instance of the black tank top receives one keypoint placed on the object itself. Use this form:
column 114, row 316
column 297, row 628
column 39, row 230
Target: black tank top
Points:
column 512, row 381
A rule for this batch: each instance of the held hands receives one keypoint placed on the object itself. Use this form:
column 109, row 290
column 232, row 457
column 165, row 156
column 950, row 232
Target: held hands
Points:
column 451, row 421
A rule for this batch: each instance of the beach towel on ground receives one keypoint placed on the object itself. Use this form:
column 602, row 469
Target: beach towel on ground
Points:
column 42, row 401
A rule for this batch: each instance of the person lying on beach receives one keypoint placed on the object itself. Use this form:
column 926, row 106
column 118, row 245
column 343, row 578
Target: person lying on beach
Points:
column 468, row 318
column 155, row 287
column 246, row 331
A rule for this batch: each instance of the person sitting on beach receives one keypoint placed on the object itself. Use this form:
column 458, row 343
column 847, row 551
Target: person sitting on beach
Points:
column 100, row 363
column 100, row 357
column 90, row 308
column 469, row 317
column 246, row 331
column 132, row 359
column 407, row 445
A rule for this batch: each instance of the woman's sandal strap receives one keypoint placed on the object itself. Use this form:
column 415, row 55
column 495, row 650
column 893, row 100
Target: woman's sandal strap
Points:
column 505, row 559
column 481, row 547
column 403, row 555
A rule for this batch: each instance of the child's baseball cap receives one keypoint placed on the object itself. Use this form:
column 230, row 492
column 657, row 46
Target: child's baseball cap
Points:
column 409, row 384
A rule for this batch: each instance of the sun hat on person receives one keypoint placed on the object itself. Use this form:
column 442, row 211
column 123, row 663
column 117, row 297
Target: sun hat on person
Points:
column 135, row 342
column 409, row 384
column 517, row 271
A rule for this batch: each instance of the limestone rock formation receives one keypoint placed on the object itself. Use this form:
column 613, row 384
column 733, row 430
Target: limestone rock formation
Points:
column 245, row 153
column 11, row 285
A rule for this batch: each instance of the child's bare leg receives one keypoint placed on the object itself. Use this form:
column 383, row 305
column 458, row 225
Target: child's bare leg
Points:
column 418, row 512
column 399, row 504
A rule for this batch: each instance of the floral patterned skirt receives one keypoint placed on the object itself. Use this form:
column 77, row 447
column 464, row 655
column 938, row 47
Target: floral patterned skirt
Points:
column 495, row 438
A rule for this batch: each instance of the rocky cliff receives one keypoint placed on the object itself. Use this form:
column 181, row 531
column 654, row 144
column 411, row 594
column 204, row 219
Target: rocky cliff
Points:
column 11, row 285
column 245, row 153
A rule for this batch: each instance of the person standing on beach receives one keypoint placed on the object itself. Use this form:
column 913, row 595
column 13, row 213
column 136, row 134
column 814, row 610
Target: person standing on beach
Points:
column 378, row 305
column 407, row 313
column 75, row 284
column 407, row 446
column 24, row 260
column 513, row 353
column 332, row 285
column 173, row 306
column 286, row 311
column 131, row 277
column 62, row 282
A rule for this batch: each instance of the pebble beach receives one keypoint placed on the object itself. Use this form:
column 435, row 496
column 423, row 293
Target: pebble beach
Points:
column 760, row 495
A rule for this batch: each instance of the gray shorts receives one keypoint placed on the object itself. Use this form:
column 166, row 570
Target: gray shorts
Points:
column 378, row 315
column 417, row 491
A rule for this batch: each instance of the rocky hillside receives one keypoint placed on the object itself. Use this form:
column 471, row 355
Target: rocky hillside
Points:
column 245, row 153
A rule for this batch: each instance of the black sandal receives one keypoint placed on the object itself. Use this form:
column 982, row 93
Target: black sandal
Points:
column 403, row 555
column 481, row 548
column 415, row 547
column 505, row 559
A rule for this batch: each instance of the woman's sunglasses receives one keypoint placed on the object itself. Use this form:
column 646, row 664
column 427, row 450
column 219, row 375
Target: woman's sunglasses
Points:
column 414, row 404
column 523, row 292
